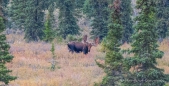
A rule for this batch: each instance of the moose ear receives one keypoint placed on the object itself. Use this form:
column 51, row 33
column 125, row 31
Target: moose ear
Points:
column 84, row 38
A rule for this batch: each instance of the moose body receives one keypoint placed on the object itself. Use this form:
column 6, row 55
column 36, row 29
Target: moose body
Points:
column 79, row 47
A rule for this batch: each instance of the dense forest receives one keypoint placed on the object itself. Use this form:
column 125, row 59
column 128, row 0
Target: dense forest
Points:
column 84, row 42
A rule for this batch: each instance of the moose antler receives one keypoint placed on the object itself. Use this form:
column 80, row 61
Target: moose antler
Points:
column 84, row 38
column 96, row 40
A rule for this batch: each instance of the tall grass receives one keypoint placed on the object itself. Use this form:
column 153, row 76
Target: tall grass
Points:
column 32, row 63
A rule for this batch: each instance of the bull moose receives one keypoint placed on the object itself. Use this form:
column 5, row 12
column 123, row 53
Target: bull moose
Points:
column 80, row 47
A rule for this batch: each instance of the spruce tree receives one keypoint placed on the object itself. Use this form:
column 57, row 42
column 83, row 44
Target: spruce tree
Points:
column 5, row 57
column 53, row 63
column 34, row 24
column 48, row 31
column 88, row 8
column 17, row 13
column 97, row 10
column 67, row 19
column 113, row 61
column 145, row 49
column 79, row 8
column 51, row 8
column 162, row 18
column 29, row 15
column 79, row 3
column 126, row 20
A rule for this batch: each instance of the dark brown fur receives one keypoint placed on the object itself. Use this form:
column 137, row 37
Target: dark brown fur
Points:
column 82, row 47
column 79, row 47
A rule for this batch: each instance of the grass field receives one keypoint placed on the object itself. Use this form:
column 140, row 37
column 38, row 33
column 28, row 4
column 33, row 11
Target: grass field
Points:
column 32, row 63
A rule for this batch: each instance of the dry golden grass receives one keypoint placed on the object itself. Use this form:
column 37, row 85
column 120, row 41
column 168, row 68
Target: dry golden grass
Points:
column 164, row 62
column 32, row 62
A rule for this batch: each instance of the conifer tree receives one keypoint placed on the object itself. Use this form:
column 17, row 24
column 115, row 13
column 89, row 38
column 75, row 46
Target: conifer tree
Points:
column 53, row 63
column 79, row 3
column 29, row 15
column 126, row 20
column 113, row 61
column 79, row 7
column 17, row 13
column 5, row 57
column 145, row 49
column 51, row 15
column 162, row 18
column 97, row 10
column 48, row 31
column 34, row 24
column 88, row 8
column 67, row 19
